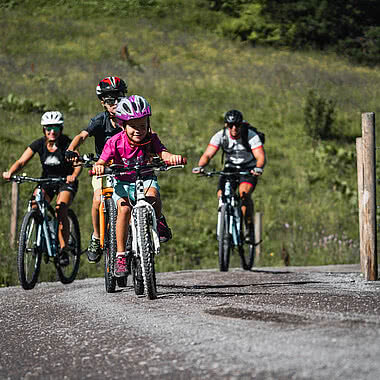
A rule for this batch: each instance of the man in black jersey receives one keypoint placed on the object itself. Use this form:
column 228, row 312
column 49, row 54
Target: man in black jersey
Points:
column 101, row 127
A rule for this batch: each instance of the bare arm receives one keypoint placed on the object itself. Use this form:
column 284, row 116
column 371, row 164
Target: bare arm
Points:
column 72, row 177
column 259, row 154
column 207, row 155
column 19, row 164
column 78, row 140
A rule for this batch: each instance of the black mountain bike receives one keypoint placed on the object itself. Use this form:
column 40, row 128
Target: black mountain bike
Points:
column 39, row 238
column 230, row 230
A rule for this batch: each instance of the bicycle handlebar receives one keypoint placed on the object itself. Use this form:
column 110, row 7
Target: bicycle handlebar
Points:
column 225, row 174
column 21, row 178
column 141, row 168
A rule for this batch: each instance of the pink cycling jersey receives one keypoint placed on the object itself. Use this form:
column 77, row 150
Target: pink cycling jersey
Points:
column 118, row 149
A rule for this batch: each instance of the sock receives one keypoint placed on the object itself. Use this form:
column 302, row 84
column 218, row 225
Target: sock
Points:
column 94, row 238
column 120, row 254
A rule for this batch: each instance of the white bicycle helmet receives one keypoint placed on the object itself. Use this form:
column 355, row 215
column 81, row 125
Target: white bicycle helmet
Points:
column 52, row 118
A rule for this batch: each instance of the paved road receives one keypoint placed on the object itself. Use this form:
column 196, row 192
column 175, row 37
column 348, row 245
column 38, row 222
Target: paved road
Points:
column 273, row 323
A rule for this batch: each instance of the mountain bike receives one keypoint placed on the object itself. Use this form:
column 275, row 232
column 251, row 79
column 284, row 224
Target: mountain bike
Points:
column 39, row 237
column 143, row 236
column 107, row 226
column 230, row 230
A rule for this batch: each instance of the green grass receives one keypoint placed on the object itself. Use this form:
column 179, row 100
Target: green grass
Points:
column 191, row 77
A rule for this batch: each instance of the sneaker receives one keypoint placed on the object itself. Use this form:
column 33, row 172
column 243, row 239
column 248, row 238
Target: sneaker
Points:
column 94, row 252
column 249, row 237
column 64, row 257
column 163, row 230
column 121, row 266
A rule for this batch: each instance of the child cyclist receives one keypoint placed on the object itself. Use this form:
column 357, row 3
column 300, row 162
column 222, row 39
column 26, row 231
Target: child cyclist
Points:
column 135, row 143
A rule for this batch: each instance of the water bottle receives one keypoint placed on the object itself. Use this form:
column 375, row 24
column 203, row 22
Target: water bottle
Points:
column 53, row 228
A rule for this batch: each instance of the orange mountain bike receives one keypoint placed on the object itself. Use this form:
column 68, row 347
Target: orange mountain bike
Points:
column 107, row 227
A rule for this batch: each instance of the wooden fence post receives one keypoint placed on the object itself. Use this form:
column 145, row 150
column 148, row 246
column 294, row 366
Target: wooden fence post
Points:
column 258, row 233
column 369, row 197
column 359, row 164
column 14, row 214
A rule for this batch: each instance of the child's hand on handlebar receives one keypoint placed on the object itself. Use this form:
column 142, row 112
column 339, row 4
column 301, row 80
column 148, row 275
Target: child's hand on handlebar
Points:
column 98, row 169
column 176, row 159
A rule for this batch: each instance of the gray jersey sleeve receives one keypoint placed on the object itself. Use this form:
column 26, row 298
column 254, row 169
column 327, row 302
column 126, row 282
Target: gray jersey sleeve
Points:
column 216, row 140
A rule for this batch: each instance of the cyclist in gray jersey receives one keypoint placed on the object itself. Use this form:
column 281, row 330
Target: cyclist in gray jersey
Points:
column 238, row 158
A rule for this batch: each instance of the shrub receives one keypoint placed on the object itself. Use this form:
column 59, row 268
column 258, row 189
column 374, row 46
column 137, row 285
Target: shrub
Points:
column 318, row 116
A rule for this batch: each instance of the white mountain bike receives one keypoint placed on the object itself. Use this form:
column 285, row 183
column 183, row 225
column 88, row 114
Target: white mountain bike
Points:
column 143, row 237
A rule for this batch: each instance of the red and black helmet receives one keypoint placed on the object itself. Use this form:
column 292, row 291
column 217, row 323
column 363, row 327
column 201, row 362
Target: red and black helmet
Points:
column 111, row 86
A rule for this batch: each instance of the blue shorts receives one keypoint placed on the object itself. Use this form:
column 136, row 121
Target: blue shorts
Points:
column 124, row 189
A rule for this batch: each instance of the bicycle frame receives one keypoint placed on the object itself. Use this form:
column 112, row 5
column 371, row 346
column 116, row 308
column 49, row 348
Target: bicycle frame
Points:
column 230, row 223
column 233, row 203
column 141, row 202
column 107, row 192
column 45, row 233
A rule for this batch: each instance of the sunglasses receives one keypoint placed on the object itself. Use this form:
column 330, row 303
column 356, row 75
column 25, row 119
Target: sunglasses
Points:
column 55, row 128
column 111, row 101
column 231, row 125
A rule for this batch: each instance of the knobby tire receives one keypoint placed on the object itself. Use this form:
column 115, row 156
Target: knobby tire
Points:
column 67, row 274
column 29, row 255
column 224, row 239
column 247, row 251
column 110, row 246
column 146, row 252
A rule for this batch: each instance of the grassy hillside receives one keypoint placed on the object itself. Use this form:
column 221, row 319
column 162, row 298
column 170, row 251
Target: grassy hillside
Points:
column 53, row 58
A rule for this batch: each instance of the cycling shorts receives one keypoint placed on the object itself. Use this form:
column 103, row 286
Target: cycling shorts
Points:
column 54, row 189
column 250, row 179
column 124, row 189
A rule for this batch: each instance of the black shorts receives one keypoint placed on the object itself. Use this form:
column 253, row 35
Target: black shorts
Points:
column 252, row 180
column 54, row 189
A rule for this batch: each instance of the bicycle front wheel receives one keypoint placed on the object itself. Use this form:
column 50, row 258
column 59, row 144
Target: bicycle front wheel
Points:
column 67, row 274
column 146, row 252
column 110, row 245
column 224, row 237
column 247, row 252
column 29, row 254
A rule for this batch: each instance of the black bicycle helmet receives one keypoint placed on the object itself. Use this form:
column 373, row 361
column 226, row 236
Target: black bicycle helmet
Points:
column 233, row 117
column 110, row 86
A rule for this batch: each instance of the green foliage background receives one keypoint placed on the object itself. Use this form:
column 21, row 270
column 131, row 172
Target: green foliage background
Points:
column 54, row 54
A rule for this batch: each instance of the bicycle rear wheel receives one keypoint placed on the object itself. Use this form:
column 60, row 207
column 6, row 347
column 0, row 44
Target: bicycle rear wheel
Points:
column 110, row 245
column 146, row 252
column 29, row 254
column 224, row 237
column 67, row 274
column 247, row 252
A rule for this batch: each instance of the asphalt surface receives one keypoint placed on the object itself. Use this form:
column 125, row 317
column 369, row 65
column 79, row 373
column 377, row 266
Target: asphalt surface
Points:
column 270, row 323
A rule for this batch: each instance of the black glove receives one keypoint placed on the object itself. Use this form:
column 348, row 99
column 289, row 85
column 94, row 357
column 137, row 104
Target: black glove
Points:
column 71, row 155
